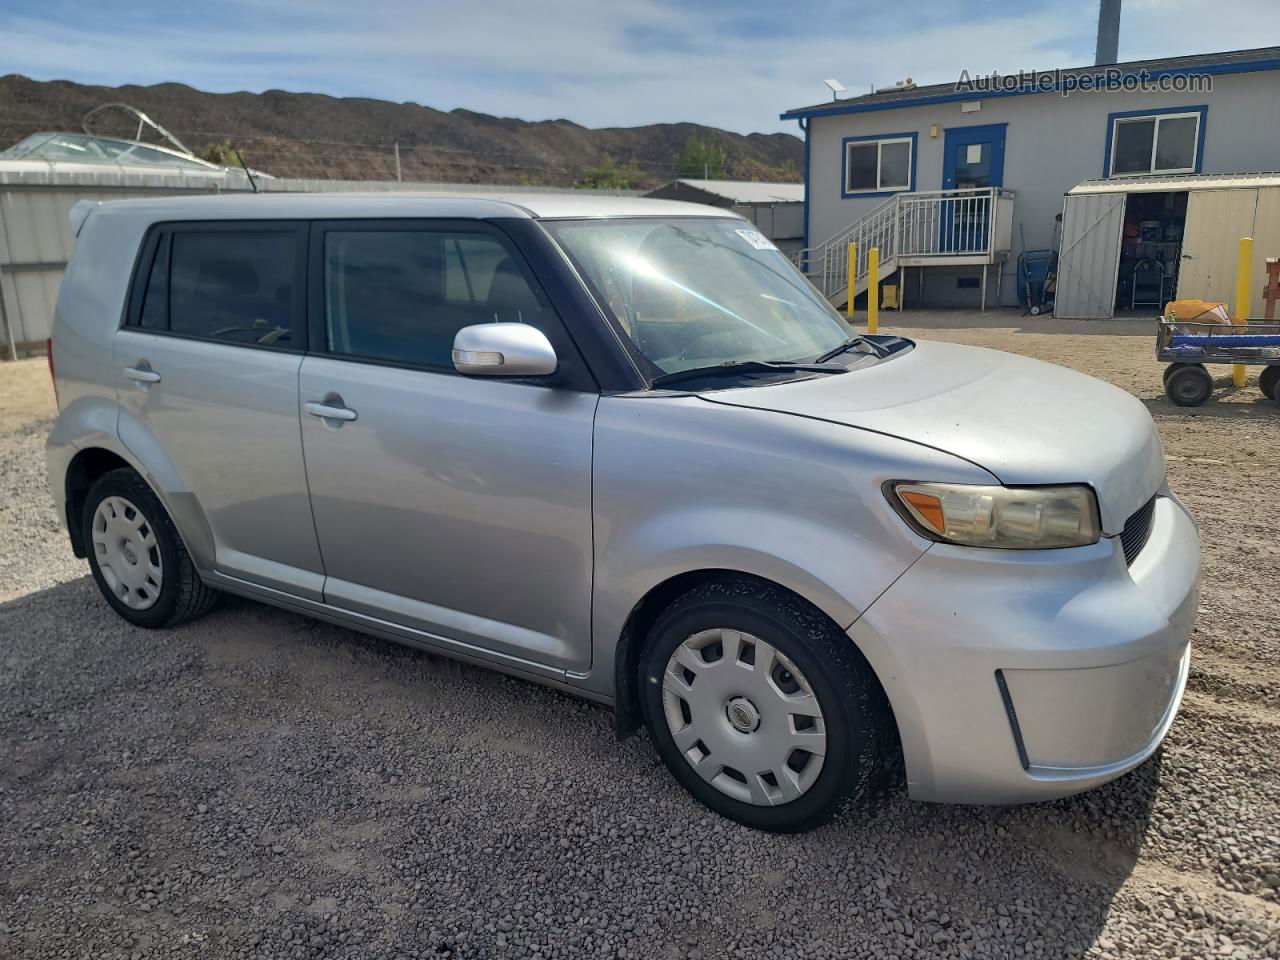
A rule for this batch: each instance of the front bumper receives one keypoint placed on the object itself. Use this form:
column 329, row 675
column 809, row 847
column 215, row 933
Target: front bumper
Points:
column 1019, row 676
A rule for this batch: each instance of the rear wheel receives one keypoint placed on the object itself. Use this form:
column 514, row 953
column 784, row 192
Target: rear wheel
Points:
column 1189, row 386
column 761, row 707
column 1269, row 382
column 137, row 557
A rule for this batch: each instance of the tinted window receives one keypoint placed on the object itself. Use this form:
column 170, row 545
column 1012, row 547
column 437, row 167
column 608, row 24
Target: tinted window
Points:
column 235, row 286
column 895, row 165
column 861, row 170
column 155, row 306
column 1133, row 146
column 1176, row 145
column 403, row 295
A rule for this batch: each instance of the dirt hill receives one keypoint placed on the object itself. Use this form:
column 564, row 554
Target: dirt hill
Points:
column 311, row 135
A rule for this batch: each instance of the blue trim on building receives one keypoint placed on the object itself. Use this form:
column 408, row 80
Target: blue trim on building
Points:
column 855, row 106
column 844, row 161
column 1200, row 108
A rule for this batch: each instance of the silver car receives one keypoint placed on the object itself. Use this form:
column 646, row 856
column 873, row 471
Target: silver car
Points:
column 623, row 448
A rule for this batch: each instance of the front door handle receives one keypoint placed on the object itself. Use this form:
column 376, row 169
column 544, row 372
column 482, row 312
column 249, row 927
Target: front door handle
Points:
column 328, row 412
column 142, row 374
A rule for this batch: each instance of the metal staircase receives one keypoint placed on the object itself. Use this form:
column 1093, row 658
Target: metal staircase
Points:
column 930, row 228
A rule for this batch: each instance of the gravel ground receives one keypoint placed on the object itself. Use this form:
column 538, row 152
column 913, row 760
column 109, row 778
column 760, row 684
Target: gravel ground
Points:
column 257, row 784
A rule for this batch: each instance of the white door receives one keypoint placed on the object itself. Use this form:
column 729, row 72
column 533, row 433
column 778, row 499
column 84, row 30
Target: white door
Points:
column 1089, row 257
column 1216, row 220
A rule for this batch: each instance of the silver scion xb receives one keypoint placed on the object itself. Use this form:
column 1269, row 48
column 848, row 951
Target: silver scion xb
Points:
column 623, row 448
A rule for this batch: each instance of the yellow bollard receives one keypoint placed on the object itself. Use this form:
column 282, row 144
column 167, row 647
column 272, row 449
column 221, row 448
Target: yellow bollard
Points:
column 853, row 275
column 873, row 290
column 1244, row 269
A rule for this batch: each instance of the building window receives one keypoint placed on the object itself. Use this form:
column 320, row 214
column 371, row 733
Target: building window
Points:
column 884, row 164
column 1142, row 145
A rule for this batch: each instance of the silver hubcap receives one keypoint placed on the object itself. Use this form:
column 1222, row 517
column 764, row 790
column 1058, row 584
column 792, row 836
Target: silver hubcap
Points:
column 128, row 555
column 744, row 717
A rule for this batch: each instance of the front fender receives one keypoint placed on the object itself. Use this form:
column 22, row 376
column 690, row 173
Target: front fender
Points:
column 681, row 485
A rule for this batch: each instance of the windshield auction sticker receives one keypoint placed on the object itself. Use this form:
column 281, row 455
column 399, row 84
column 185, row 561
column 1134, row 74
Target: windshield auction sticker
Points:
column 756, row 239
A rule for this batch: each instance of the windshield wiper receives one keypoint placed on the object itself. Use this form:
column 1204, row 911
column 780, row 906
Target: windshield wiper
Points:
column 884, row 347
column 867, row 345
column 747, row 366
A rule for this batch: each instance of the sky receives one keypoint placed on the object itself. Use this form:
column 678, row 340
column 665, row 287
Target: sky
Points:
column 734, row 64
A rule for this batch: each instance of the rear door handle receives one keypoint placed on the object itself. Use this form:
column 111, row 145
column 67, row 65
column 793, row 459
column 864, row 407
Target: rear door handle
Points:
column 142, row 374
column 327, row 412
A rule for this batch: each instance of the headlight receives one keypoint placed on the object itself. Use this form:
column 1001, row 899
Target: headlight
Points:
column 1027, row 518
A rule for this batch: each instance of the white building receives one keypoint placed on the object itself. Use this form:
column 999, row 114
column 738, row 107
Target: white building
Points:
column 953, row 181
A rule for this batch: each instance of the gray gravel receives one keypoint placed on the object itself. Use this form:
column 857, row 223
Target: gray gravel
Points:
column 257, row 784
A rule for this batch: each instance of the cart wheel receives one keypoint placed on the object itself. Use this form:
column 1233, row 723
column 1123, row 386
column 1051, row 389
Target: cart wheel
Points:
column 1034, row 311
column 1178, row 365
column 1189, row 386
column 1269, row 382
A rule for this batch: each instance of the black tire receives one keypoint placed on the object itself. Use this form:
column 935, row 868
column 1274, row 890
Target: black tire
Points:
column 856, row 716
column 182, row 595
column 1179, row 365
column 1189, row 386
column 1269, row 382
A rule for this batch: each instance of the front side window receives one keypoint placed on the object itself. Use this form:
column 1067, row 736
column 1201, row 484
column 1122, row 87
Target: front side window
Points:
column 1166, row 143
column 695, row 292
column 402, row 295
column 876, row 166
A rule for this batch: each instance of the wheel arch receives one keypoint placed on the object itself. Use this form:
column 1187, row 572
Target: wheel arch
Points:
column 630, row 644
column 82, row 472
column 89, row 463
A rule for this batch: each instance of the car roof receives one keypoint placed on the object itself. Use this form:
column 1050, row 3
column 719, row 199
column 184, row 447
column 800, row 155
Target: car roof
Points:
column 345, row 205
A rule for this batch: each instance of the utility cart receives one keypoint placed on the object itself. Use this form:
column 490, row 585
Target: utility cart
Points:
column 1189, row 346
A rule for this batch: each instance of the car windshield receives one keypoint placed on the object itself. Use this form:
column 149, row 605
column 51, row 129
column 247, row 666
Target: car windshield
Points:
column 693, row 292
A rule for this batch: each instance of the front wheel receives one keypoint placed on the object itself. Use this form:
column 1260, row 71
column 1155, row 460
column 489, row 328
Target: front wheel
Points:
column 761, row 707
column 1189, row 386
column 137, row 558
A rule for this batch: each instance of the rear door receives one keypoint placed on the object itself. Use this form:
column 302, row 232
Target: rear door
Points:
column 458, row 507
column 207, row 379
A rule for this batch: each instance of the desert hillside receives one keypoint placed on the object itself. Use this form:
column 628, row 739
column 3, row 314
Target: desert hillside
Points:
column 312, row 135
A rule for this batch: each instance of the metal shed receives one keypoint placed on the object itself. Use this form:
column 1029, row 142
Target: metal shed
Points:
column 1221, row 209
column 777, row 209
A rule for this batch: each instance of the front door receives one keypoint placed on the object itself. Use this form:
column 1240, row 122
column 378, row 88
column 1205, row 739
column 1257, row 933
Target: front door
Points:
column 207, row 379
column 972, row 160
column 458, row 507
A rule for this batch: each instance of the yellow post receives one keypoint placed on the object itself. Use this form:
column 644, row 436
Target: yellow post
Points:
column 853, row 275
column 1244, row 269
column 873, row 290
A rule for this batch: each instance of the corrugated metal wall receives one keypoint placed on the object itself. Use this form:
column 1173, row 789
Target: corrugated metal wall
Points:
column 1216, row 220
column 35, row 244
column 36, row 240
column 1089, row 256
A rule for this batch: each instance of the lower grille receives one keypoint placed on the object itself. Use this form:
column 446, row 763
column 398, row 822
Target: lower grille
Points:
column 1137, row 530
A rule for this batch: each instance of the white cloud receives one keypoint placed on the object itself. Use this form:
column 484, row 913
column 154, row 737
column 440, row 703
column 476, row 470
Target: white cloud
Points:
column 594, row 63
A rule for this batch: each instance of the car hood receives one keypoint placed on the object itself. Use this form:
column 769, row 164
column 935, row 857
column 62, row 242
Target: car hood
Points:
column 1025, row 421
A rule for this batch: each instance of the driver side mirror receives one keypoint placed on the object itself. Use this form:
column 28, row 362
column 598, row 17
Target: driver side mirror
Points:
column 503, row 350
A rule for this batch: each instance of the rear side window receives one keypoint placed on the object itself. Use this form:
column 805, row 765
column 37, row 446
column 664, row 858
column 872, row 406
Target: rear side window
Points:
column 402, row 295
column 235, row 285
